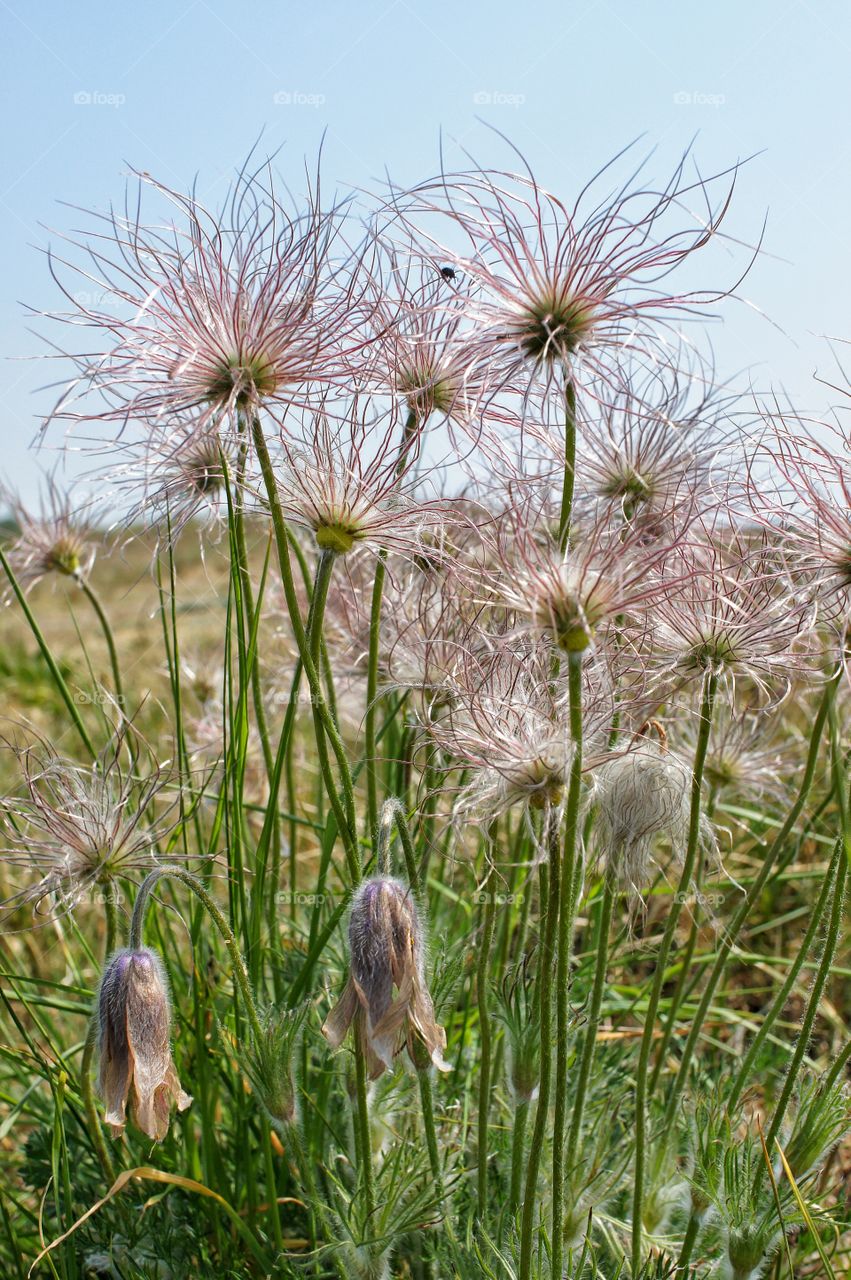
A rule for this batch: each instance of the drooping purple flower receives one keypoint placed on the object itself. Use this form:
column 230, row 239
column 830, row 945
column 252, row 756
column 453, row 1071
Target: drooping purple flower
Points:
column 386, row 995
column 136, row 1072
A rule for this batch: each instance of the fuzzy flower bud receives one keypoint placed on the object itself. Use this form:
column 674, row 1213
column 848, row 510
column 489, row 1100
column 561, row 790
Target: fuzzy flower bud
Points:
column 269, row 1065
column 136, row 1066
column 387, row 955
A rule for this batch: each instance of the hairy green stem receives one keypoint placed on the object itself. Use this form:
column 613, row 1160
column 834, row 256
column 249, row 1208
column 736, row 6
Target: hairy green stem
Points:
column 87, row 1094
column 362, row 1121
column 485, row 1039
column 424, row 1074
column 590, row 1041
column 321, row 711
column 343, row 814
column 838, row 1067
column 660, row 961
column 545, row 1016
column 806, row 1031
column 137, row 924
column 56, row 674
column 372, row 696
column 569, row 480
column 569, row 892
column 689, row 1241
column 831, row 940
column 100, row 614
column 518, row 1146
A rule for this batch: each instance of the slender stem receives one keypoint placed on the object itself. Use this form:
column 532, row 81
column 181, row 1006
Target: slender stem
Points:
column 320, row 705
column 569, row 890
column 822, row 975
column 485, row 1039
column 393, row 812
column 86, row 1087
column 569, row 480
column 545, row 1015
column 372, row 695
column 409, row 433
column 306, row 1168
column 778, row 1004
column 689, row 1241
column 518, row 1146
column 427, row 1105
column 362, row 1119
column 185, row 877
column 56, row 674
column 100, row 613
column 590, row 1042
column 87, row 1094
column 272, row 1184
column 729, row 937
column 247, row 592
column 838, row 1067
column 343, row 811
column 661, row 961
column 685, row 960
column 110, row 890
column 831, row 941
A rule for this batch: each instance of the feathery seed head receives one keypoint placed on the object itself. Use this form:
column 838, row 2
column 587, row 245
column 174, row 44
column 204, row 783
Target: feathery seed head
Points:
column 77, row 827
column 50, row 540
column 559, row 289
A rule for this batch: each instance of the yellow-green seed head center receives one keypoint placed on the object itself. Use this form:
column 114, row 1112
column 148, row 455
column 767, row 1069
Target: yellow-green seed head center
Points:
column 338, row 538
column 64, row 558
column 553, row 328
column 427, row 391
column 250, row 377
column 550, row 794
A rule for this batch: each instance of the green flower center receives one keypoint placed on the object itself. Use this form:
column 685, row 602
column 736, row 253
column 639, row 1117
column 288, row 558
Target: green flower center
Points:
column 207, row 476
column 553, row 328
column 427, row 391
column 338, row 538
column 252, row 377
column 549, row 794
column 628, row 485
column 711, row 653
column 65, row 558
column 572, row 622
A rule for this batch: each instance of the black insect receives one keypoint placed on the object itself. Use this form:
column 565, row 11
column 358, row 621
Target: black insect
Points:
column 448, row 273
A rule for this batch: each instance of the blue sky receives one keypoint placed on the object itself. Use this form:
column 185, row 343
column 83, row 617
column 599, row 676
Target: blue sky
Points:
column 184, row 88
